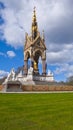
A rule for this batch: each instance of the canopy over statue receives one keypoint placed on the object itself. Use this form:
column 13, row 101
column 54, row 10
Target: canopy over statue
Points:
column 35, row 48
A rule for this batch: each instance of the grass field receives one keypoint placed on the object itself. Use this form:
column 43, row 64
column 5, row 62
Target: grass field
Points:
column 36, row 111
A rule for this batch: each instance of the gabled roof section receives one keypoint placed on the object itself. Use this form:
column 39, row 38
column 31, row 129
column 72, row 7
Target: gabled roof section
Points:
column 39, row 41
column 28, row 42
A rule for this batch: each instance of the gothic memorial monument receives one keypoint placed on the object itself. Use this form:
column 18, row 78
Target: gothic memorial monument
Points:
column 34, row 49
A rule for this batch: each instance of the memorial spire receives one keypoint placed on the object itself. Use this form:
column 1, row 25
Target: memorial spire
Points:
column 34, row 25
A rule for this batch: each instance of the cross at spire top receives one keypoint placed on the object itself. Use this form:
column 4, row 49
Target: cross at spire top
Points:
column 34, row 8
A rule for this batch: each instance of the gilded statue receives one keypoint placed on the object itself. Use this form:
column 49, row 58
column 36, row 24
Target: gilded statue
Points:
column 35, row 65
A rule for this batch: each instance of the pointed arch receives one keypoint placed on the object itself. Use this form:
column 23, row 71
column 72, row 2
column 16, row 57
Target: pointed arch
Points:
column 27, row 55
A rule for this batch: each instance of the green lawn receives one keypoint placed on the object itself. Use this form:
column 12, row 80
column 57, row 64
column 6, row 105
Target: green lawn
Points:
column 36, row 111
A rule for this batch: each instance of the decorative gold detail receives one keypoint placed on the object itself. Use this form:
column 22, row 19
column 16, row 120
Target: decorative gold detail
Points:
column 35, row 66
column 34, row 16
column 34, row 25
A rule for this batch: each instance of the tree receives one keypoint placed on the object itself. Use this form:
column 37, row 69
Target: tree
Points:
column 70, row 80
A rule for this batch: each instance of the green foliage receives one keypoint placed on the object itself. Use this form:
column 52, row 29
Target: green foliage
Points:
column 70, row 83
column 70, row 80
column 36, row 111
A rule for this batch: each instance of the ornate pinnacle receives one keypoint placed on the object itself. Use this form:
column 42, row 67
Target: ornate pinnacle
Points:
column 34, row 25
column 43, row 37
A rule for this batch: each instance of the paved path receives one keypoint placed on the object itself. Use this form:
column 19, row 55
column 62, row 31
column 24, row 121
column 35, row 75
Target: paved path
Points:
column 37, row 92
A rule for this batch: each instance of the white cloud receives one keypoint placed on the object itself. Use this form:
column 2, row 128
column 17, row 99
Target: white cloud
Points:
column 60, row 54
column 11, row 54
column 65, row 69
column 54, row 16
column 3, row 73
column 13, row 33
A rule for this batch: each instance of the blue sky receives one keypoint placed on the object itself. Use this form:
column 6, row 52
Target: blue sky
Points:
column 55, row 17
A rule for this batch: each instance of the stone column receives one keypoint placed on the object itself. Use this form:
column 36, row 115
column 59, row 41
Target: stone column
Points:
column 44, row 66
column 26, row 67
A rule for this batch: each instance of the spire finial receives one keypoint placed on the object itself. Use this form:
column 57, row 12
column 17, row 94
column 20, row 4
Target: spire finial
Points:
column 34, row 8
column 43, row 37
column 34, row 14
column 34, row 24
